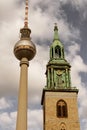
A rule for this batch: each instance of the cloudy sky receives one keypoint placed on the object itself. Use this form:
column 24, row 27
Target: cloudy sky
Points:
column 71, row 17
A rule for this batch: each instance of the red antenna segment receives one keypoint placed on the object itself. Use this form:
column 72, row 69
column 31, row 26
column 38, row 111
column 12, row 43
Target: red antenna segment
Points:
column 26, row 14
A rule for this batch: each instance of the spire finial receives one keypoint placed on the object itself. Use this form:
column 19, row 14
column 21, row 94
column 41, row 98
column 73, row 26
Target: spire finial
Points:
column 55, row 24
column 26, row 14
column 56, row 32
column 55, row 27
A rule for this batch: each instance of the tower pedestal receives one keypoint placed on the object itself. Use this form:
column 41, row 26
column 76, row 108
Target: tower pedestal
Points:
column 22, row 100
column 60, row 110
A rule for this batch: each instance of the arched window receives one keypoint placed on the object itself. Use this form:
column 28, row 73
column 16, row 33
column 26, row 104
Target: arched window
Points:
column 58, row 51
column 61, row 109
column 62, row 126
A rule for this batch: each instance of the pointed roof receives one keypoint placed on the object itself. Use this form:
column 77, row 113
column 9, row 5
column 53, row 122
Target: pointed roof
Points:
column 56, row 40
column 57, row 56
column 56, row 32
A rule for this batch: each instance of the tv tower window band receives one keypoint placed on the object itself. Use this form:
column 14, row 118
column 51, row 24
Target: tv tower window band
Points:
column 24, row 50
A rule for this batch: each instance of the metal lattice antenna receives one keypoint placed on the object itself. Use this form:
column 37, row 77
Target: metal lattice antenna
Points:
column 26, row 14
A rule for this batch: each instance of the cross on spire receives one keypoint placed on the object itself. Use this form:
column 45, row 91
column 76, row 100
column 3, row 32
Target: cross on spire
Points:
column 55, row 24
column 56, row 32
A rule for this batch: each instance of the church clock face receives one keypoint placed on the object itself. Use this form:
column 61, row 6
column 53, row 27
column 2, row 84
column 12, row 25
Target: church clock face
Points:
column 59, row 72
column 60, row 78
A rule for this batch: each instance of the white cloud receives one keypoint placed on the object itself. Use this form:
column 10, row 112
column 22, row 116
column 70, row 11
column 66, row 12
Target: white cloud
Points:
column 8, row 120
column 84, row 124
column 4, row 104
column 76, row 62
column 7, row 10
column 35, row 119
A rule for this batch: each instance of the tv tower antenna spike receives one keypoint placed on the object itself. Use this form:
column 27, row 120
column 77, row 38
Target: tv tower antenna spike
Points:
column 26, row 14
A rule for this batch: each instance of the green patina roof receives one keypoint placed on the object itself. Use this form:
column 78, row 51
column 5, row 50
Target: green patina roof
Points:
column 59, row 62
column 56, row 40
column 56, row 32
column 58, row 69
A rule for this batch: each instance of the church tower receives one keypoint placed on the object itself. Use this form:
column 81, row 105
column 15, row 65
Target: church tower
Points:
column 59, row 99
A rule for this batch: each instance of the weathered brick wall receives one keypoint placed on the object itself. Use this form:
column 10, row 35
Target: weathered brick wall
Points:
column 52, row 122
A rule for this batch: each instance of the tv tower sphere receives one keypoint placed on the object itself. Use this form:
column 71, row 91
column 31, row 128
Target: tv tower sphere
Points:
column 25, row 48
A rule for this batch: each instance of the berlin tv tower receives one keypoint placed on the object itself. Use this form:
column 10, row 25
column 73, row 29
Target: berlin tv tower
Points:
column 24, row 50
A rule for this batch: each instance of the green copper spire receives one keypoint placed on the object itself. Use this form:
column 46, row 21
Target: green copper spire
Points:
column 58, row 69
column 56, row 49
column 56, row 32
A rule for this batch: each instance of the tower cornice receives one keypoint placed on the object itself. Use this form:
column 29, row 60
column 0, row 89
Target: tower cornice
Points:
column 68, row 90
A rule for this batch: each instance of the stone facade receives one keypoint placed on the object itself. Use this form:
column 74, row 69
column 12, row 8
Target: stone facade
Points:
column 51, row 121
